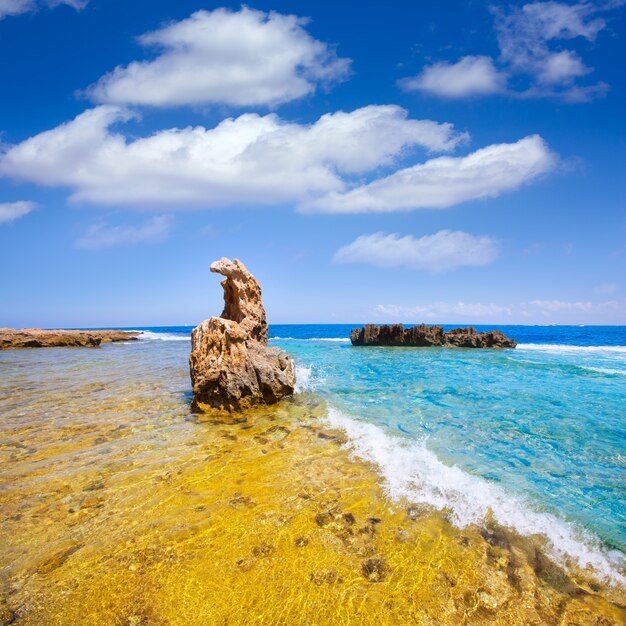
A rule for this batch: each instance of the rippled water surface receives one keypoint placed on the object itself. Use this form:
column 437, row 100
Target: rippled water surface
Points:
column 118, row 506
column 546, row 421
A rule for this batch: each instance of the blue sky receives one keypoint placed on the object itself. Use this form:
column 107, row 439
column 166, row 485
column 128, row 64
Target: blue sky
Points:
column 440, row 162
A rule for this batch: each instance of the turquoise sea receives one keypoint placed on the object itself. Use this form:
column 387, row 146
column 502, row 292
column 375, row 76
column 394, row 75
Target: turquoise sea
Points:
column 534, row 437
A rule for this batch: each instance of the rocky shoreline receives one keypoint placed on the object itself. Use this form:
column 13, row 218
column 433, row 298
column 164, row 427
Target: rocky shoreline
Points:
column 13, row 338
column 423, row 336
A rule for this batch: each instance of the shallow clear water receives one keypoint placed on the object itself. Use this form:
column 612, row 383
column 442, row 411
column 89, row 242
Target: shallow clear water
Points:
column 120, row 506
column 545, row 423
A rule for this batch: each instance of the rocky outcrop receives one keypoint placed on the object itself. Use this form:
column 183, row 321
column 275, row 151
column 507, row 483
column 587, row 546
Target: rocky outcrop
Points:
column 232, row 368
column 397, row 335
column 38, row 338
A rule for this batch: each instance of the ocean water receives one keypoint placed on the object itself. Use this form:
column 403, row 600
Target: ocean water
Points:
column 534, row 437
column 119, row 505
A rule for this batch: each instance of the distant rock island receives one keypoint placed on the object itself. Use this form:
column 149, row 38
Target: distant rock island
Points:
column 232, row 368
column 39, row 338
column 423, row 335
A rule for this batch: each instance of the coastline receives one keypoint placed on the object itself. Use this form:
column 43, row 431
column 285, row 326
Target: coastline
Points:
column 21, row 338
column 274, row 520
column 121, row 507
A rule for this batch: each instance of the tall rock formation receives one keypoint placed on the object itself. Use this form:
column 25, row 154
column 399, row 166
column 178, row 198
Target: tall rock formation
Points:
column 232, row 368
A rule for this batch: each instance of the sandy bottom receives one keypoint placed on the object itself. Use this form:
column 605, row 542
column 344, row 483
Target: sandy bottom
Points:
column 266, row 520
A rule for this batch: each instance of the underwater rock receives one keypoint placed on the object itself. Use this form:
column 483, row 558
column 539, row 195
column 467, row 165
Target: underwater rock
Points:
column 375, row 570
column 232, row 368
column 423, row 335
column 6, row 614
column 38, row 338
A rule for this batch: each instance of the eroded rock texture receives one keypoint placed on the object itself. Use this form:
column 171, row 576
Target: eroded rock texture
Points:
column 38, row 338
column 232, row 368
column 397, row 335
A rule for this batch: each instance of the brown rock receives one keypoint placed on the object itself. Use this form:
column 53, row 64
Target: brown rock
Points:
column 6, row 614
column 38, row 338
column 375, row 569
column 422, row 335
column 232, row 368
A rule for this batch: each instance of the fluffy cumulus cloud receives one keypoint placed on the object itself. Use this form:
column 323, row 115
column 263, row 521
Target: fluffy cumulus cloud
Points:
column 17, row 7
column 440, row 252
column 11, row 211
column 471, row 76
column 445, row 181
column 102, row 235
column 535, row 42
column 249, row 159
column 238, row 58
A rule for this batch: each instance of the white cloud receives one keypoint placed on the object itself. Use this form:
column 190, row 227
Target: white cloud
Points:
column 446, row 181
column 17, row 7
column 442, row 251
column 444, row 311
column 550, row 306
column 471, row 76
column 101, row 235
column 543, row 311
column 238, row 58
column 534, row 56
column 11, row 211
column 525, row 35
column 251, row 158
column 561, row 67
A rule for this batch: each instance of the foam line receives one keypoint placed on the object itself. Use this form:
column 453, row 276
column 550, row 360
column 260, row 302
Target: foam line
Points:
column 409, row 470
column 553, row 347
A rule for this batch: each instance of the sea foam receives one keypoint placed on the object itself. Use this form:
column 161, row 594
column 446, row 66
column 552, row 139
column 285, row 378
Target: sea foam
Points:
column 553, row 347
column 409, row 470
column 147, row 335
column 329, row 339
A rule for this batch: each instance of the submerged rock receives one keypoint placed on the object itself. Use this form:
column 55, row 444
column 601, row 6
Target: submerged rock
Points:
column 6, row 614
column 232, row 368
column 423, row 335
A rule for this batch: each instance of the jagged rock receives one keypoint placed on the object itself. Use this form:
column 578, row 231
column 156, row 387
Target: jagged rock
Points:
column 232, row 368
column 423, row 335
column 38, row 338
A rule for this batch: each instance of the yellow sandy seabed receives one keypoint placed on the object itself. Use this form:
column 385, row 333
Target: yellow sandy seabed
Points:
column 265, row 520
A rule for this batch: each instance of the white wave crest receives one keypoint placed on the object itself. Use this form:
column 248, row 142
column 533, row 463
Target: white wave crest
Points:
column 605, row 370
column 303, row 378
column 411, row 471
column 148, row 335
column 331, row 339
column 554, row 347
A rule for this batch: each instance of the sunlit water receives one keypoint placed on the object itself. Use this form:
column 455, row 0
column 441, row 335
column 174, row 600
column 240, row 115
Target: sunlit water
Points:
column 119, row 506
column 546, row 421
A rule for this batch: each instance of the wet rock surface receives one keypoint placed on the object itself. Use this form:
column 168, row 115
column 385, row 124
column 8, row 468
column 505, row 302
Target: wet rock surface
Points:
column 423, row 336
column 38, row 338
column 232, row 368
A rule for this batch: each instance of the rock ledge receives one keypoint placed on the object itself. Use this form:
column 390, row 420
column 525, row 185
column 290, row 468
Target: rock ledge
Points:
column 423, row 335
column 231, row 366
column 39, row 338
